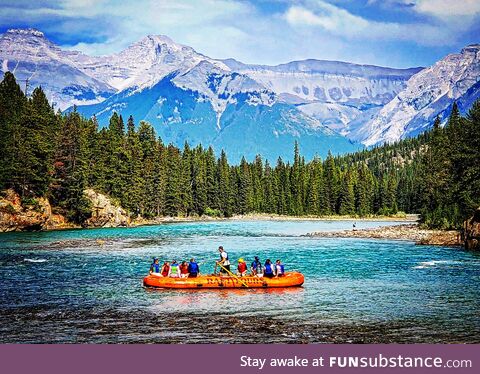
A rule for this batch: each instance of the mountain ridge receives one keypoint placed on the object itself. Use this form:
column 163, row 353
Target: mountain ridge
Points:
column 363, row 103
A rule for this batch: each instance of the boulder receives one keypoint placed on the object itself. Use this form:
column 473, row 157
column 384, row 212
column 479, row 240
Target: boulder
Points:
column 105, row 213
column 472, row 231
column 32, row 214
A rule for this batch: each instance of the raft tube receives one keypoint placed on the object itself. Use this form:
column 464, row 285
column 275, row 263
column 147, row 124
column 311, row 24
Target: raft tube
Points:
column 290, row 279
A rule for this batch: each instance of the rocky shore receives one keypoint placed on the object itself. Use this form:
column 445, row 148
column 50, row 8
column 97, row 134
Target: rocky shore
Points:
column 37, row 214
column 410, row 232
column 28, row 215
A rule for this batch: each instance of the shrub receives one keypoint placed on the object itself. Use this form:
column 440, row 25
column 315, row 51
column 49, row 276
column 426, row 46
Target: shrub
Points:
column 213, row 212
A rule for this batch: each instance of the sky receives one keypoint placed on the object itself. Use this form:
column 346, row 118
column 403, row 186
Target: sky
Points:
column 394, row 33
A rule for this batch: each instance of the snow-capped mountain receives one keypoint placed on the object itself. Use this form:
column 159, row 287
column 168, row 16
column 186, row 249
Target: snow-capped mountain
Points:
column 225, row 109
column 185, row 95
column 334, row 92
column 36, row 60
column 428, row 94
column 245, row 109
column 144, row 63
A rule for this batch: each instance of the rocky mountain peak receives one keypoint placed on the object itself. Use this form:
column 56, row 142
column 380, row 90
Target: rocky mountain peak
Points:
column 26, row 32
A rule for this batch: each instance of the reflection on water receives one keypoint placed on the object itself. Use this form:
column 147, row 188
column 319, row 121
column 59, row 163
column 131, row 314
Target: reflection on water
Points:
column 86, row 286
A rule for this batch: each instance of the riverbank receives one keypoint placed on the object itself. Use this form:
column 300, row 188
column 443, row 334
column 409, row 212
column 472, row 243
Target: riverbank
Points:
column 273, row 217
column 410, row 232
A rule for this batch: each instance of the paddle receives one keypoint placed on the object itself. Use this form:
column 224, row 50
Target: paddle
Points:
column 233, row 275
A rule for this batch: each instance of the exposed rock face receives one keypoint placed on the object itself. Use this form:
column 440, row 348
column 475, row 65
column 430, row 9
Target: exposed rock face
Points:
column 32, row 215
column 104, row 212
column 472, row 231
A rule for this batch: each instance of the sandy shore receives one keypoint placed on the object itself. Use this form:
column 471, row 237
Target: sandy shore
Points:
column 410, row 232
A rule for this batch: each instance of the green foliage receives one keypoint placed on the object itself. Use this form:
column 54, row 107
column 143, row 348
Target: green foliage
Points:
column 46, row 154
column 213, row 212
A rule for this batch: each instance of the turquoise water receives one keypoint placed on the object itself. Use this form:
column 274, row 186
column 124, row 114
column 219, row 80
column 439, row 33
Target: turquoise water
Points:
column 86, row 286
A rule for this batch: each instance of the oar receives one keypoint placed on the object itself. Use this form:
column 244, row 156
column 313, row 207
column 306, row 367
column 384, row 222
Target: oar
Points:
column 233, row 275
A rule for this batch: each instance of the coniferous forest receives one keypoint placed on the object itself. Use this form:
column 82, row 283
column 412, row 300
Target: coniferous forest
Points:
column 55, row 155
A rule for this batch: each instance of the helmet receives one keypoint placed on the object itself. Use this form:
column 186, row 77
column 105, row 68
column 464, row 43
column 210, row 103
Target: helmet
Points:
column 241, row 260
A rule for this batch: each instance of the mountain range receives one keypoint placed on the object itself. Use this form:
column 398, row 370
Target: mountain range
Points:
column 242, row 108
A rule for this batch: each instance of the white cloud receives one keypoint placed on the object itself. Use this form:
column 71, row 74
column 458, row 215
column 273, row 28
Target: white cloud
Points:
column 242, row 29
column 340, row 22
column 448, row 8
column 438, row 8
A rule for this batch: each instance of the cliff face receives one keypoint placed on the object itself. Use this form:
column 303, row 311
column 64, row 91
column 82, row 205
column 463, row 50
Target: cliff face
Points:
column 472, row 231
column 29, row 215
column 104, row 212
column 36, row 214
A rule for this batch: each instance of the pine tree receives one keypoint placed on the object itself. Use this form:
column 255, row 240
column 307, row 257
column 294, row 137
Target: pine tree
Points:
column 13, row 104
column 186, row 194
column 224, row 187
column 70, row 170
column 134, row 183
column 331, row 184
column 347, row 195
column 244, row 188
column 172, row 191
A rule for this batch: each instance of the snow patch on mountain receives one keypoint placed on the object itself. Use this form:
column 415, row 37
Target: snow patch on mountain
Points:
column 333, row 92
column 36, row 60
column 144, row 63
column 428, row 93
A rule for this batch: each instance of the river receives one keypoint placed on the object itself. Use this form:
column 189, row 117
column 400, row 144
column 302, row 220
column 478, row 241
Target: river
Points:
column 85, row 286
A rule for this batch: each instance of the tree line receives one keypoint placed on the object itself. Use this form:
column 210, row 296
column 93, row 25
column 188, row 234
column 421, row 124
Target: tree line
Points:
column 43, row 153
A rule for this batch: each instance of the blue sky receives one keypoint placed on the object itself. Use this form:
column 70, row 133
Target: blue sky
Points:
column 397, row 33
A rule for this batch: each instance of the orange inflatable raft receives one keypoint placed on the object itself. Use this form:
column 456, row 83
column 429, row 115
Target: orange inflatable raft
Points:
column 290, row 279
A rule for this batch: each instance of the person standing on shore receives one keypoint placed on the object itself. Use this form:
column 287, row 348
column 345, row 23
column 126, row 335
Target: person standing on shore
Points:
column 224, row 262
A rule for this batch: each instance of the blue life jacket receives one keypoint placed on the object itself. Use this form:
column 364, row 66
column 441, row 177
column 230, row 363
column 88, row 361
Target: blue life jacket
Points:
column 257, row 265
column 193, row 268
column 155, row 268
column 282, row 269
column 269, row 269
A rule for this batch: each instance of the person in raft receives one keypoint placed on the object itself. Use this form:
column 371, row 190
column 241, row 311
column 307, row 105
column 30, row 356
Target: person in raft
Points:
column 174, row 270
column 184, row 269
column 225, row 264
column 279, row 269
column 193, row 269
column 165, row 269
column 268, row 269
column 242, row 267
column 155, row 267
column 256, row 267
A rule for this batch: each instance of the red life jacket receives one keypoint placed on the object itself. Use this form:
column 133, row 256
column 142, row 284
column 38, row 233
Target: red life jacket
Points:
column 166, row 270
column 184, row 269
column 242, row 267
